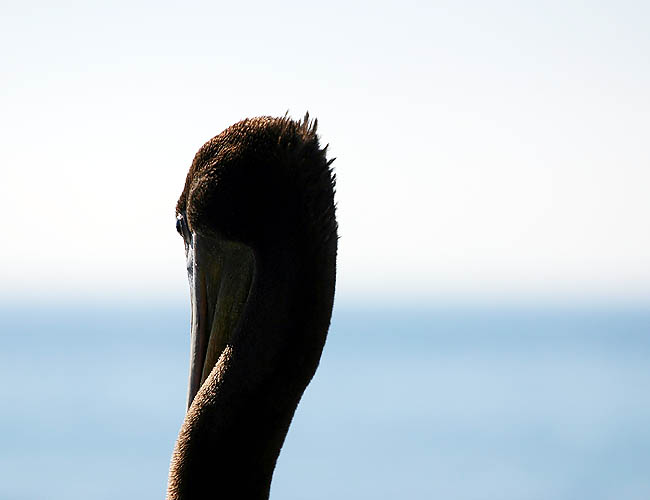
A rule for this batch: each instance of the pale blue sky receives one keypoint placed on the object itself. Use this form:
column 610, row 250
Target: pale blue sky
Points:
column 484, row 149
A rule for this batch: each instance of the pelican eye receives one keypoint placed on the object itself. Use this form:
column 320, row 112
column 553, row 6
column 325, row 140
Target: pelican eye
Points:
column 181, row 225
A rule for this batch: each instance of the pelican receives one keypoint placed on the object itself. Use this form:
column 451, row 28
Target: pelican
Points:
column 257, row 218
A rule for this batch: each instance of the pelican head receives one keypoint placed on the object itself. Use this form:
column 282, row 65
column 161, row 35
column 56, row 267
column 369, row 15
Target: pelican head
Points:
column 258, row 224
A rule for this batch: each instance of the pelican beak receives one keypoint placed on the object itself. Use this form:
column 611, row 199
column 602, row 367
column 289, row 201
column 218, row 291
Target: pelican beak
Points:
column 220, row 275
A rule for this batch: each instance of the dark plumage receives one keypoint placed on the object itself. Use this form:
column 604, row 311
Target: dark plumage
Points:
column 258, row 219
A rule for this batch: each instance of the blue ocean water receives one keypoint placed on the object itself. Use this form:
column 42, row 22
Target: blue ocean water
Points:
column 464, row 403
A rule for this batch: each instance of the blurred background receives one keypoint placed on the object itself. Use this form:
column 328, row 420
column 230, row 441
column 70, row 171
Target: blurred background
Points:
column 491, row 332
